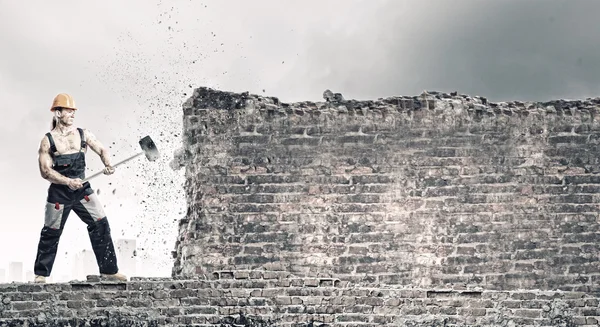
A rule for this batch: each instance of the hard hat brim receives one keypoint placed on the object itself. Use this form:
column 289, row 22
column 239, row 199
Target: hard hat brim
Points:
column 54, row 108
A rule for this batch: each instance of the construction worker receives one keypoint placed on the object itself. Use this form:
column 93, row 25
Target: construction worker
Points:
column 62, row 162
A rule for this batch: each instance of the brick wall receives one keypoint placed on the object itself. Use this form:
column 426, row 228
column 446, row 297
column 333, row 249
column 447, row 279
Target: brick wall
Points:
column 434, row 210
column 436, row 190
column 260, row 299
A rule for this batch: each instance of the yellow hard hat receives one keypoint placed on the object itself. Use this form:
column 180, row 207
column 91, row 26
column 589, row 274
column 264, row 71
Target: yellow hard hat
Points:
column 63, row 100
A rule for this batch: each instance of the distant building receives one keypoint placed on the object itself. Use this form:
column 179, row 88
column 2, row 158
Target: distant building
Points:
column 84, row 263
column 29, row 276
column 15, row 272
column 126, row 256
column 155, row 265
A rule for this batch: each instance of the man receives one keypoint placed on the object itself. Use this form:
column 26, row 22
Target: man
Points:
column 62, row 162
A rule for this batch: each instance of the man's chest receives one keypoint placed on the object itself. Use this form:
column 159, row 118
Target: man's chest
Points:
column 66, row 144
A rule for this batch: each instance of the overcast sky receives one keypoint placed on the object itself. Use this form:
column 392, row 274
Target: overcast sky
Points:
column 122, row 60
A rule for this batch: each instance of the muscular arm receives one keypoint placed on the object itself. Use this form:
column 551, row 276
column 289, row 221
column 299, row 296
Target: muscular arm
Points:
column 97, row 147
column 45, row 163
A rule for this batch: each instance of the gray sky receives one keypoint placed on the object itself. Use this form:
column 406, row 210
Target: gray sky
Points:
column 123, row 60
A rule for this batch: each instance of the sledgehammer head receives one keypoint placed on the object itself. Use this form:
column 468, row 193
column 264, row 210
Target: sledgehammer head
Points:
column 149, row 148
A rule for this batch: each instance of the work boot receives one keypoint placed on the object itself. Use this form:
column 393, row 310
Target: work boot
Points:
column 114, row 277
column 39, row 279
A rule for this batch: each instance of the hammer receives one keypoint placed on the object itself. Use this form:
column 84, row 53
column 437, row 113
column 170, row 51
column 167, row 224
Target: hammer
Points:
column 148, row 148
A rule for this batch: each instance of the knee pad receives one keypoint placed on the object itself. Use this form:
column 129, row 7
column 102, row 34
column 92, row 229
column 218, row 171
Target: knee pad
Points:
column 50, row 233
column 99, row 226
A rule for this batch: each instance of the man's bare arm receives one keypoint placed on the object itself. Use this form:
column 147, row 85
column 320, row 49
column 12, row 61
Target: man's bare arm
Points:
column 97, row 147
column 45, row 163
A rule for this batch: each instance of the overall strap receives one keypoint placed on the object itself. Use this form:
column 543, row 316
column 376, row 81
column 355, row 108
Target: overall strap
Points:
column 52, row 145
column 83, row 143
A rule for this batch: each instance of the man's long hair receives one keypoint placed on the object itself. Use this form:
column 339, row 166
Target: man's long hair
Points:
column 54, row 122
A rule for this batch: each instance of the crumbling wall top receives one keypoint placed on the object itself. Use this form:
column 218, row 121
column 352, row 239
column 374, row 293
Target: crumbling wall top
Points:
column 208, row 98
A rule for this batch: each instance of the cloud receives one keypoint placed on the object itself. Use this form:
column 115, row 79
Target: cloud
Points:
column 505, row 50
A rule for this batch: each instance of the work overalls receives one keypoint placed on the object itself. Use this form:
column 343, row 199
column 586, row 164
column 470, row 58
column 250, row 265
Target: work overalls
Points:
column 84, row 202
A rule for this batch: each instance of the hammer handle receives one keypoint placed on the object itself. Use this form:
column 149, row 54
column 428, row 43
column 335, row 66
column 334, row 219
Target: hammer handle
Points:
column 115, row 165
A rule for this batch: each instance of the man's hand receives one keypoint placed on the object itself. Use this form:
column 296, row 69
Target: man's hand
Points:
column 75, row 184
column 109, row 170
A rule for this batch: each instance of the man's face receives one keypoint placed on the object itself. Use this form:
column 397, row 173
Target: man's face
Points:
column 67, row 116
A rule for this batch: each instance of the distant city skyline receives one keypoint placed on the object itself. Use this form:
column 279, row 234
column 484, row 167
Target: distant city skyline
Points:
column 83, row 263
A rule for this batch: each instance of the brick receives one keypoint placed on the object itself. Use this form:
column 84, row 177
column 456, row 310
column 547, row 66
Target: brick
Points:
column 183, row 293
column 579, row 320
column 138, row 303
column 171, row 311
column 29, row 288
column 352, row 318
column 270, row 292
column 528, row 313
column 104, row 302
column 22, row 306
column 160, row 294
column 567, row 139
column 71, row 296
column 585, row 268
column 328, row 283
column 189, row 301
column 14, row 297
column 42, row 296
column 370, row 301
column 311, row 282
column 193, row 310
column 258, row 302
column 590, row 312
column 112, row 286
column 301, row 141
column 241, row 275
column 140, row 286
column 250, row 140
column 282, row 300
column 7, row 288
column 191, row 319
column 80, row 304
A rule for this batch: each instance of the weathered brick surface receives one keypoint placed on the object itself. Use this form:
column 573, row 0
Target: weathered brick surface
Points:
column 258, row 300
column 436, row 190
